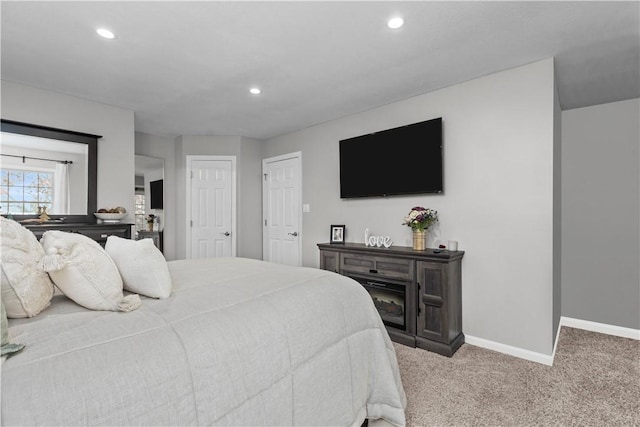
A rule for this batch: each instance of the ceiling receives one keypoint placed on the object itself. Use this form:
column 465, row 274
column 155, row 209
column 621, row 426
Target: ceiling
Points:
column 185, row 68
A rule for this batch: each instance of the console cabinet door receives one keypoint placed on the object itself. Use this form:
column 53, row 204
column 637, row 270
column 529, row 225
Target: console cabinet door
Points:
column 433, row 319
column 330, row 260
column 97, row 232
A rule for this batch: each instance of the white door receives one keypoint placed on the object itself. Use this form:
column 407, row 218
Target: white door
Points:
column 282, row 194
column 211, row 201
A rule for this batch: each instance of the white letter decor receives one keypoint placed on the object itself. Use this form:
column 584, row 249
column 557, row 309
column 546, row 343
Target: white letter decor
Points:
column 378, row 241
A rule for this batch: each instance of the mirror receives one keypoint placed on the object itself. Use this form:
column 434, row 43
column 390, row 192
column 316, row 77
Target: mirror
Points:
column 149, row 193
column 43, row 166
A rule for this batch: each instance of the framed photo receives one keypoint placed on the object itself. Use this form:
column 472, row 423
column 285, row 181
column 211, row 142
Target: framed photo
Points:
column 337, row 234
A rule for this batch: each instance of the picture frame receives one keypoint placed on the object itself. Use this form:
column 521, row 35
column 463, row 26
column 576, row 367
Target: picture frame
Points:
column 337, row 233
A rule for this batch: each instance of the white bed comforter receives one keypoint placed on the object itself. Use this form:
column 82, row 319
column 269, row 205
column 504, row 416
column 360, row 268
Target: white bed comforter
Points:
column 239, row 342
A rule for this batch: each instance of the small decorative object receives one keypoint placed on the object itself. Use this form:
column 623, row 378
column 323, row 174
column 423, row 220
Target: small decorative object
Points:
column 118, row 210
column 453, row 245
column 419, row 240
column 376, row 240
column 42, row 211
column 337, row 233
column 420, row 219
column 111, row 216
column 150, row 220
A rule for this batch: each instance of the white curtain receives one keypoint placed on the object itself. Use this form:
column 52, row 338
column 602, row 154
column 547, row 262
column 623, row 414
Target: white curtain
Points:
column 61, row 200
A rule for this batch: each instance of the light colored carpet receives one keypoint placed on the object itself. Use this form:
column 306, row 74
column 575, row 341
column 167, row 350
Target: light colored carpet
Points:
column 594, row 381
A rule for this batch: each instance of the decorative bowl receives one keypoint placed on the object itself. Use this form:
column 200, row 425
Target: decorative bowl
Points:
column 110, row 217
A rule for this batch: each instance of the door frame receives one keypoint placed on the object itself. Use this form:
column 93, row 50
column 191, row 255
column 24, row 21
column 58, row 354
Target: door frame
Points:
column 189, row 171
column 295, row 155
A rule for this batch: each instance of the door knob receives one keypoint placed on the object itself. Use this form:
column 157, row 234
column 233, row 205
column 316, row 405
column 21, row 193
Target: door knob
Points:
column 226, row 233
column 294, row 234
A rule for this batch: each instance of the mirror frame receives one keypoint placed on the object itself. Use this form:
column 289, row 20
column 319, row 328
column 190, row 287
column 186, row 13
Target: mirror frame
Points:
column 91, row 140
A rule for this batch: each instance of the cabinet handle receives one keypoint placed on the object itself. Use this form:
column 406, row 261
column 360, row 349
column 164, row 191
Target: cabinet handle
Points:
column 373, row 270
column 432, row 300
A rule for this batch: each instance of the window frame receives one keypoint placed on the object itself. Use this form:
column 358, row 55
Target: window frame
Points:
column 27, row 169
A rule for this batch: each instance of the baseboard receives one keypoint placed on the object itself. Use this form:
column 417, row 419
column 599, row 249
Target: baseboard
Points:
column 603, row 328
column 546, row 359
column 532, row 356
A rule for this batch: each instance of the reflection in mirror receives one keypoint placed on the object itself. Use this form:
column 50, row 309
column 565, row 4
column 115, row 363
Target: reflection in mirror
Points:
column 47, row 167
column 38, row 172
column 149, row 193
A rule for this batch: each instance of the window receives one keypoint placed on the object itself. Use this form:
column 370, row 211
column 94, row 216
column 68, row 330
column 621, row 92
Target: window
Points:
column 23, row 191
column 139, row 212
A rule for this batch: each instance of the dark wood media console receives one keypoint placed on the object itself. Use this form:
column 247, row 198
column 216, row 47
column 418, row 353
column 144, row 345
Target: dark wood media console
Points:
column 97, row 232
column 427, row 284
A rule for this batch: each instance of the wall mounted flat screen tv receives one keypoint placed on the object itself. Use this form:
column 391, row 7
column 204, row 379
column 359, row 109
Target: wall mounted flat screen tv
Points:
column 402, row 160
column 155, row 188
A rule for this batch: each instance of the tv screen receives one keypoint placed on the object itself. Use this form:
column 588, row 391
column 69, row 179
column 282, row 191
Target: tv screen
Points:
column 155, row 187
column 403, row 160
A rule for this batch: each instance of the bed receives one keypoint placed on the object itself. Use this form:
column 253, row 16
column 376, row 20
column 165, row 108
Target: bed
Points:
column 238, row 342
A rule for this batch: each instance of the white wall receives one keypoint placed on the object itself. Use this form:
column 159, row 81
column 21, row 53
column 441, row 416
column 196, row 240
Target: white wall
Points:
column 497, row 201
column 601, row 213
column 115, row 148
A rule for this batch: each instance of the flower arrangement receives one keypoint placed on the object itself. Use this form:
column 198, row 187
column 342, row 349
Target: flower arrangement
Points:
column 420, row 219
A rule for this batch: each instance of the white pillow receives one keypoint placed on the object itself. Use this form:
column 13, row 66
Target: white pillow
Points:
column 26, row 290
column 84, row 272
column 142, row 266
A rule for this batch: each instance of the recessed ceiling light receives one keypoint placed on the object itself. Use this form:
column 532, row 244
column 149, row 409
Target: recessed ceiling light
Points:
column 395, row 23
column 255, row 91
column 105, row 33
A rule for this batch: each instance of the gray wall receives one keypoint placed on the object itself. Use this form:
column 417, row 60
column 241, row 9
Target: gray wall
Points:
column 497, row 201
column 249, row 188
column 116, row 167
column 557, row 213
column 601, row 213
column 250, row 198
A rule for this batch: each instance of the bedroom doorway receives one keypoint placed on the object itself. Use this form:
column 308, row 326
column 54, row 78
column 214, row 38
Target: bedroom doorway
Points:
column 211, row 201
column 282, row 213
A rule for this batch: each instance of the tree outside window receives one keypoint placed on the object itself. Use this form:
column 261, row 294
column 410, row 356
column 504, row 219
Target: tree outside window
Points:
column 22, row 191
column 139, row 212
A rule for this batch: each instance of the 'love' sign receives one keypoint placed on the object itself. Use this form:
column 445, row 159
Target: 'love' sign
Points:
column 377, row 241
